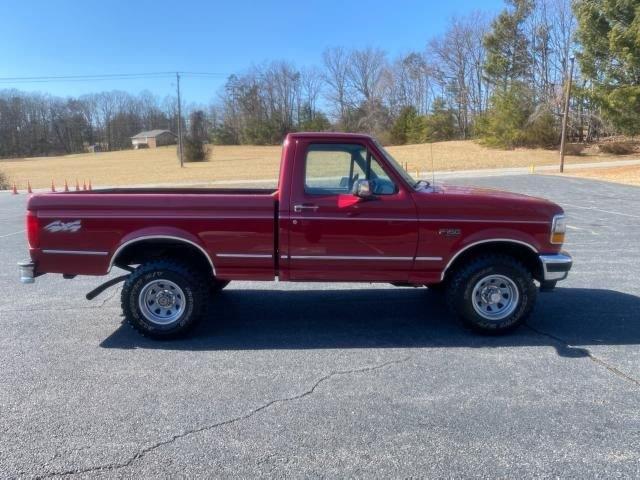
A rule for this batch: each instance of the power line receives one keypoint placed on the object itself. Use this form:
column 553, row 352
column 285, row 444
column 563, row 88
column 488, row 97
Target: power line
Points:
column 87, row 76
column 73, row 80
column 105, row 76
column 206, row 74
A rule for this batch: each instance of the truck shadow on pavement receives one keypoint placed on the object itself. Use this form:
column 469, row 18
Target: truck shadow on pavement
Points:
column 394, row 318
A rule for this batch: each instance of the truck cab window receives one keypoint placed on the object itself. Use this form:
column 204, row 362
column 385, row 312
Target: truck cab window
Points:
column 332, row 169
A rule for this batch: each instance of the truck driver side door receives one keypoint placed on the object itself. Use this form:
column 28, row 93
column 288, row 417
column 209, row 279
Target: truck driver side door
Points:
column 336, row 236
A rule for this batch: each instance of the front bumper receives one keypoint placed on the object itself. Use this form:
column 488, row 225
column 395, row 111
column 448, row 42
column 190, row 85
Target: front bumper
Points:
column 27, row 271
column 556, row 267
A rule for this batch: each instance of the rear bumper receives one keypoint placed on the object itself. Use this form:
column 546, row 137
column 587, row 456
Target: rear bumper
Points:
column 27, row 271
column 556, row 267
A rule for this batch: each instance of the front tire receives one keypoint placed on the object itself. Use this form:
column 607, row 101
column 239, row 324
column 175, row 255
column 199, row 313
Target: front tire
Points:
column 492, row 294
column 164, row 299
column 548, row 286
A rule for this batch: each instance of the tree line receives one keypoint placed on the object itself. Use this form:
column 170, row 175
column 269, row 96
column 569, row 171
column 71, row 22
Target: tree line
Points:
column 34, row 124
column 499, row 79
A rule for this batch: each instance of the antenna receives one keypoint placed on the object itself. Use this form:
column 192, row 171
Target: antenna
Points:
column 179, row 121
column 433, row 171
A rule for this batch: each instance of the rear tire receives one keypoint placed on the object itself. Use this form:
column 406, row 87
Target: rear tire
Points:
column 492, row 294
column 164, row 299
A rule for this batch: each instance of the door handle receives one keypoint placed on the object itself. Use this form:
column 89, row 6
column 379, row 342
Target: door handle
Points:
column 305, row 206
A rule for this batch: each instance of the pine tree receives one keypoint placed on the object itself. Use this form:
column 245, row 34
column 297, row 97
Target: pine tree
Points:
column 402, row 127
column 508, row 56
column 440, row 124
column 609, row 32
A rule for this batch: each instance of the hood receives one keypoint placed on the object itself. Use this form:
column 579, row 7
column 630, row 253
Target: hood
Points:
column 484, row 203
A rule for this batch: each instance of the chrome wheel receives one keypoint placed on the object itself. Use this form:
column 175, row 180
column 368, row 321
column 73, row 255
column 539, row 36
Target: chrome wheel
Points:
column 161, row 302
column 495, row 297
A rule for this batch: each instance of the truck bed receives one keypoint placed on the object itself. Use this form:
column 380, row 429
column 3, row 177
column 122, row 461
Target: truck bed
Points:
column 183, row 190
column 82, row 232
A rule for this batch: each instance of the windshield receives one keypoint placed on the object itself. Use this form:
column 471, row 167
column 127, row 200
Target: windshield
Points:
column 397, row 167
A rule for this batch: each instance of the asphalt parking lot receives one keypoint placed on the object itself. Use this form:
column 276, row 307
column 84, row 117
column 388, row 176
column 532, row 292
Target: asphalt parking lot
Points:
column 333, row 380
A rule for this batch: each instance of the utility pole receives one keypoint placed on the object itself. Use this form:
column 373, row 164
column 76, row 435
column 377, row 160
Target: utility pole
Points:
column 565, row 115
column 179, row 121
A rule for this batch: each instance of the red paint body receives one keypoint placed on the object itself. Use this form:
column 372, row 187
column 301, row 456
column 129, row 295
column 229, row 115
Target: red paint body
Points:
column 256, row 234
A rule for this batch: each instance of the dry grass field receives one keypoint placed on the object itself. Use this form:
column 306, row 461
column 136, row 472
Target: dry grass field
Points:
column 629, row 175
column 160, row 166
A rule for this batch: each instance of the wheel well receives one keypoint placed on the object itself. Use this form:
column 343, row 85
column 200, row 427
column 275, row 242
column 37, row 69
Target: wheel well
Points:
column 145, row 250
column 518, row 251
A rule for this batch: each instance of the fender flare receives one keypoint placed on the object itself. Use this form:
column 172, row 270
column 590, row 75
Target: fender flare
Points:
column 143, row 238
column 480, row 242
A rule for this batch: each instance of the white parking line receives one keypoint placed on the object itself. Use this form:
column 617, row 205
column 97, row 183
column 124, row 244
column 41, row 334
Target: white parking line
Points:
column 601, row 210
column 10, row 234
column 571, row 227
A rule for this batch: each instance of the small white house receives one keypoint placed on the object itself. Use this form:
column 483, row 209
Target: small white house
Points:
column 153, row 139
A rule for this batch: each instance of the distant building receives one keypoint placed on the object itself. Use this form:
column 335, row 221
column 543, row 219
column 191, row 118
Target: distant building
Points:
column 153, row 139
column 95, row 147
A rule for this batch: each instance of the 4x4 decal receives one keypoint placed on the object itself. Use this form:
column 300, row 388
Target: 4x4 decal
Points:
column 60, row 226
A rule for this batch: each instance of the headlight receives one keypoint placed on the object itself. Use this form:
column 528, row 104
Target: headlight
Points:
column 558, row 229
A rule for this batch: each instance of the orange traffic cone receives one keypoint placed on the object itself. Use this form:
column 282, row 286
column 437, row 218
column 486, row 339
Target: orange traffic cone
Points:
column 29, row 190
column 14, row 190
column 53, row 187
column 90, row 185
column 77, row 185
column 66, row 186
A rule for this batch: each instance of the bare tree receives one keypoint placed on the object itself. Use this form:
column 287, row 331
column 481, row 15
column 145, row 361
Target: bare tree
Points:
column 364, row 72
column 310, row 89
column 280, row 83
column 336, row 75
column 408, row 82
column 458, row 58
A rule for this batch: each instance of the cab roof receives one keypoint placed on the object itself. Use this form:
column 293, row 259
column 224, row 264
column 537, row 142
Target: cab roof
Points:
column 330, row 135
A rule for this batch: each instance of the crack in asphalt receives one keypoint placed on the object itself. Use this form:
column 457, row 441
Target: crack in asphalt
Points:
column 587, row 353
column 140, row 454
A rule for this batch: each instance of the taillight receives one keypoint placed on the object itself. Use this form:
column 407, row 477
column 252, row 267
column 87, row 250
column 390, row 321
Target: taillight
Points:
column 33, row 229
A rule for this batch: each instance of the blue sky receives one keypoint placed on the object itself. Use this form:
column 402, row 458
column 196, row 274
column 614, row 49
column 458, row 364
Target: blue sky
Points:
column 67, row 37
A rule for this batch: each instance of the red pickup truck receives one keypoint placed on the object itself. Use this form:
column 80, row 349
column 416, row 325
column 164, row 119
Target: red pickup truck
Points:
column 344, row 211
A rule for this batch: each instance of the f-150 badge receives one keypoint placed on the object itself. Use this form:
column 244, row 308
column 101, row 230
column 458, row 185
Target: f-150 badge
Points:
column 449, row 232
column 60, row 226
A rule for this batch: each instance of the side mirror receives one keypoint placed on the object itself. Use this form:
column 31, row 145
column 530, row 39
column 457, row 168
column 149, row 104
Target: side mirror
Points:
column 362, row 189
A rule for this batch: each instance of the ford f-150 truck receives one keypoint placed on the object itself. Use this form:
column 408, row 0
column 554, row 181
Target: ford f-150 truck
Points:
column 344, row 211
